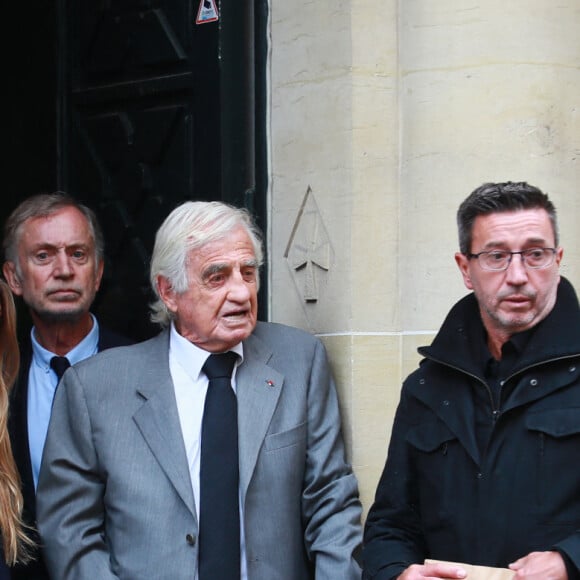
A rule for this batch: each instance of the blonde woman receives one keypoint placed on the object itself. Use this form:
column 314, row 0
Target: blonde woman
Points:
column 14, row 542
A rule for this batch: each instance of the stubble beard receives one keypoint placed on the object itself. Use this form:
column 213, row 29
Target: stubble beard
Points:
column 62, row 311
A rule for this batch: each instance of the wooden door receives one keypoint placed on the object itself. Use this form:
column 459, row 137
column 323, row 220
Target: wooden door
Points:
column 156, row 106
column 134, row 106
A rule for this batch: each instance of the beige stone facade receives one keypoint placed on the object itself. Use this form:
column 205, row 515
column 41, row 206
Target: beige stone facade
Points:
column 383, row 116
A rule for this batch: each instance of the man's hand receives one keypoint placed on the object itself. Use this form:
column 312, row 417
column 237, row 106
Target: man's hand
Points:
column 540, row 566
column 431, row 571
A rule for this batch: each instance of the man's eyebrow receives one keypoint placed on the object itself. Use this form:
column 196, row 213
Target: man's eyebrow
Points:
column 219, row 267
column 51, row 246
column 214, row 269
column 42, row 246
column 538, row 241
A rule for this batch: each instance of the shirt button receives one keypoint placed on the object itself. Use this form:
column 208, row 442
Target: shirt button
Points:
column 479, row 475
column 190, row 539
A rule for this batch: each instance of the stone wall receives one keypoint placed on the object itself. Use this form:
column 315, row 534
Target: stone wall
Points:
column 383, row 117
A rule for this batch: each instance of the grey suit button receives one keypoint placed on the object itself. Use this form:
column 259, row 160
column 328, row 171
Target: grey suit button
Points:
column 190, row 539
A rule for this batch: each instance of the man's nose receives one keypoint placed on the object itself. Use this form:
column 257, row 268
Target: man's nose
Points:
column 238, row 290
column 62, row 265
column 516, row 272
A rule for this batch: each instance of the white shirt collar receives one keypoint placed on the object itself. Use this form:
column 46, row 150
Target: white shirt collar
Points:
column 192, row 357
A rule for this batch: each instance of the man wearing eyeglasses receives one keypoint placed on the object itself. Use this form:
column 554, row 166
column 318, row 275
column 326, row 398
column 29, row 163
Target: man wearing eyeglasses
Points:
column 483, row 461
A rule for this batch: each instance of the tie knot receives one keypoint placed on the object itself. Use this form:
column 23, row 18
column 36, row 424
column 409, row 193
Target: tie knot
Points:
column 220, row 365
column 59, row 364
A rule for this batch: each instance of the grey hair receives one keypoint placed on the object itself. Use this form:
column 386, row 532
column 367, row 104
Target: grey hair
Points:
column 189, row 227
column 44, row 205
column 501, row 197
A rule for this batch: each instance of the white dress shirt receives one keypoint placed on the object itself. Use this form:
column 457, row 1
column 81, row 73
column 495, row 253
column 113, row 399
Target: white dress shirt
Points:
column 190, row 383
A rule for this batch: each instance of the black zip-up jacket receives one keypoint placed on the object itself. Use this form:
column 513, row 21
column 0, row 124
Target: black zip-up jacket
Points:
column 440, row 495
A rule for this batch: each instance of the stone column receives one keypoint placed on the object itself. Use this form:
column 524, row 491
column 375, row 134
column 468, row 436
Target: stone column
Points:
column 384, row 116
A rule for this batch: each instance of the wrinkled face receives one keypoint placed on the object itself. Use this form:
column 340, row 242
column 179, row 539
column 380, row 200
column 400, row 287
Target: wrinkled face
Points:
column 58, row 275
column 517, row 298
column 219, row 309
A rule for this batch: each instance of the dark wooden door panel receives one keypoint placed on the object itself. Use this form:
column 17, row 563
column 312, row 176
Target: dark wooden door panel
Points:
column 137, row 114
column 127, row 39
column 132, row 107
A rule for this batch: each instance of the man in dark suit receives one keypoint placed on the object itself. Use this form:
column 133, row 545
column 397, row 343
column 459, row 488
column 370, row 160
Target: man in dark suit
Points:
column 128, row 485
column 53, row 249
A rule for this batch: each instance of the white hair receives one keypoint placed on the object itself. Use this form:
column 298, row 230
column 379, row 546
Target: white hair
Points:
column 188, row 227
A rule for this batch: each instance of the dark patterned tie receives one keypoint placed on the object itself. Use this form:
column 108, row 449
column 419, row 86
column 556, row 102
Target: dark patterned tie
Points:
column 219, row 519
column 59, row 364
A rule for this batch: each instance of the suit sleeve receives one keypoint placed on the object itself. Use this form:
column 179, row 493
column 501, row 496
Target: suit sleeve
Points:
column 330, row 503
column 70, row 490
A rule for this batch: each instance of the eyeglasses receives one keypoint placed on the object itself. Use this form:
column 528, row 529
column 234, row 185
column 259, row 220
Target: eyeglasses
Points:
column 499, row 260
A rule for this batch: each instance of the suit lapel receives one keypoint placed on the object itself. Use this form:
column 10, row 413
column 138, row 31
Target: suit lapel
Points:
column 258, row 389
column 158, row 419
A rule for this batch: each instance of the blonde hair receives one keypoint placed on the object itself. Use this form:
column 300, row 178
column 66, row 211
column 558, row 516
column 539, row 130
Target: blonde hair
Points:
column 14, row 539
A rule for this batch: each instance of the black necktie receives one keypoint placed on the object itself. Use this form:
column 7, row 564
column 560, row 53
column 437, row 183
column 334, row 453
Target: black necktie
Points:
column 59, row 364
column 219, row 519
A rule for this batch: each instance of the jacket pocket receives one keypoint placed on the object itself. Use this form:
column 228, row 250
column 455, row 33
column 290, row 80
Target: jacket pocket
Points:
column 434, row 453
column 429, row 437
column 555, row 422
column 557, row 436
column 286, row 438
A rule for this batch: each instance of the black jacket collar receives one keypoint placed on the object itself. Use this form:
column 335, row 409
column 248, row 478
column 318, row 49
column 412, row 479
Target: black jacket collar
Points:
column 555, row 337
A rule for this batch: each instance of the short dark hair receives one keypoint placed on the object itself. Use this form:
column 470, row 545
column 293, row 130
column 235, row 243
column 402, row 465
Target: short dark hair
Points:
column 43, row 205
column 500, row 197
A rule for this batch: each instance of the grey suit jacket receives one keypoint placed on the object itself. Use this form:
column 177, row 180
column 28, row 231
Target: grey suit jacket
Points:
column 115, row 498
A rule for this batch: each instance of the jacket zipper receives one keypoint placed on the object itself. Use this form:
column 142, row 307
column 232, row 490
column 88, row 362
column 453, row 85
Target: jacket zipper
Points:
column 495, row 410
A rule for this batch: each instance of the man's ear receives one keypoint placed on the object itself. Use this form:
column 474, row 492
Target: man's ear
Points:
column 99, row 276
column 166, row 293
column 9, row 271
column 462, row 262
